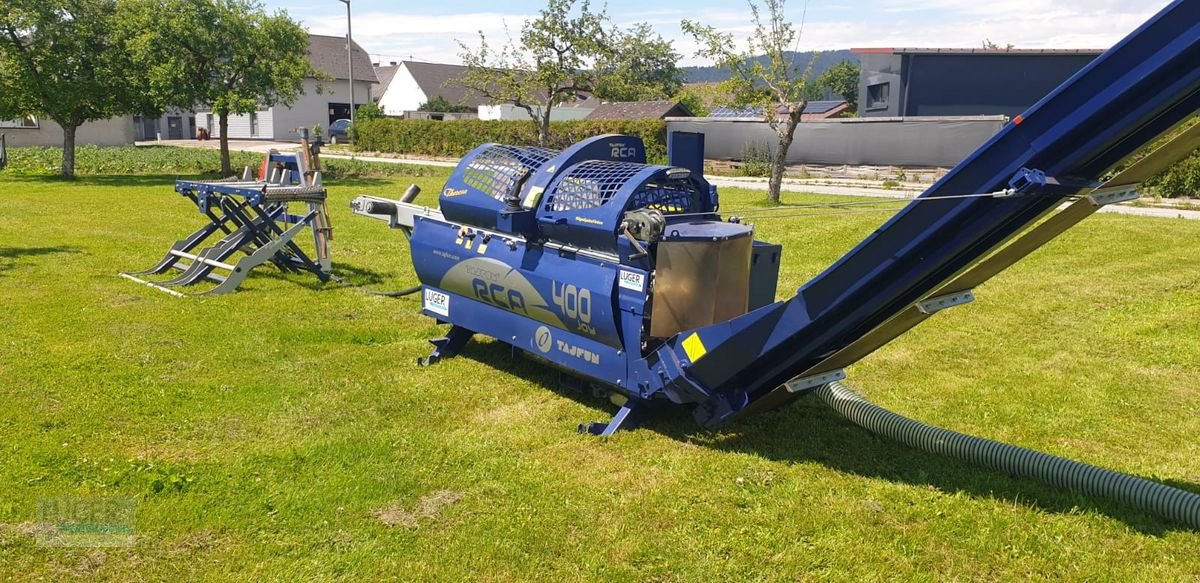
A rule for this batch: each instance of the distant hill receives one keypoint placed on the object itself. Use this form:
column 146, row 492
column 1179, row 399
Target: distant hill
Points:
column 826, row 60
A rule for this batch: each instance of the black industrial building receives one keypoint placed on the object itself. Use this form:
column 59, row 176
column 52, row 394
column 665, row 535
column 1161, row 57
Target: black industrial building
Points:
column 902, row 82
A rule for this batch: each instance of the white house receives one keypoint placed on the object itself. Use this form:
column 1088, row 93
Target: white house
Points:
column 322, row 102
column 563, row 112
column 412, row 83
column 405, row 86
column 41, row 131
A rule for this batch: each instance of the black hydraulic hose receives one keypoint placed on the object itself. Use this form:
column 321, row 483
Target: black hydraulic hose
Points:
column 1171, row 503
column 388, row 294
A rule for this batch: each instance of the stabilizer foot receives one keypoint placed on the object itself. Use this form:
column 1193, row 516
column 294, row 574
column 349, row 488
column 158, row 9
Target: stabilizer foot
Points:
column 447, row 346
column 626, row 418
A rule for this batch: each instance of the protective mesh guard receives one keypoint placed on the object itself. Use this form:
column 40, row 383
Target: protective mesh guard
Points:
column 592, row 184
column 499, row 169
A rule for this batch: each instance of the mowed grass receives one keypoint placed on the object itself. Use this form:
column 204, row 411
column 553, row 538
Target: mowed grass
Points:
column 284, row 432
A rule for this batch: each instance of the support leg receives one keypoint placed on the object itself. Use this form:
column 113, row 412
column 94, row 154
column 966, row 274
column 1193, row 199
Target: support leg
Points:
column 448, row 346
column 626, row 418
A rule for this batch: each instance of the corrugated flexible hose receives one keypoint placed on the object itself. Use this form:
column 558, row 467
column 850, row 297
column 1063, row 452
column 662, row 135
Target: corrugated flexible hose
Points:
column 1172, row 503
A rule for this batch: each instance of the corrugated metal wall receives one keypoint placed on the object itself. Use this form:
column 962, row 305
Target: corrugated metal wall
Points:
column 923, row 141
column 240, row 126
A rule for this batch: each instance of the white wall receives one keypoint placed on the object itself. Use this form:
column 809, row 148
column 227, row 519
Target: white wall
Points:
column 312, row 107
column 239, row 125
column 402, row 94
column 117, row 131
column 507, row 111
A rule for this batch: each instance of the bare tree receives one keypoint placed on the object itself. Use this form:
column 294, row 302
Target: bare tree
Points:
column 550, row 68
column 763, row 75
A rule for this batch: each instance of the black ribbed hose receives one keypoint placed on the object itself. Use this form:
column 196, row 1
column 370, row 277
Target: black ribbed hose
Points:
column 1171, row 503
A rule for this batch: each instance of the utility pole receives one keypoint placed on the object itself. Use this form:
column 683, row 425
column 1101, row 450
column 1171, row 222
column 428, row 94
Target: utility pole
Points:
column 350, row 68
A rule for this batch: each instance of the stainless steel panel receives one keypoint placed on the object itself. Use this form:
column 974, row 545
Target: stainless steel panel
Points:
column 698, row 283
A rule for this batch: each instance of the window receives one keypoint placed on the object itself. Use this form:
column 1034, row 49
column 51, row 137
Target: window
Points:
column 253, row 124
column 878, row 96
column 29, row 122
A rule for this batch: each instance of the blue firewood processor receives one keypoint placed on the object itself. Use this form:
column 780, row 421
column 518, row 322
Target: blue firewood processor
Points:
column 623, row 273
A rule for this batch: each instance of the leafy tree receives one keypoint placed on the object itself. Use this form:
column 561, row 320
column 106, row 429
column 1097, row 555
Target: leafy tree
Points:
column 775, row 84
column 639, row 65
column 67, row 60
column 368, row 111
column 443, row 105
column 842, row 80
column 227, row 54
column 994, row 46
column 694, row 101
column 549, row 69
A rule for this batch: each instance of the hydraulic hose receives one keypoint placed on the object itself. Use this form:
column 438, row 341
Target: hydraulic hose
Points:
column 1172, row 503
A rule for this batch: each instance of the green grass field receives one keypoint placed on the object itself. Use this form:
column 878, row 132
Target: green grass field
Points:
column 284, row 432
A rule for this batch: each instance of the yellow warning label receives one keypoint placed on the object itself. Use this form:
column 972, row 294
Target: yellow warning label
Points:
column 694, row 347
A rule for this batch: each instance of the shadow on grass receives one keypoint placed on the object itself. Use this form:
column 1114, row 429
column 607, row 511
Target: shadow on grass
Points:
column 10, row 256
column 811, row 432
column 355, row 277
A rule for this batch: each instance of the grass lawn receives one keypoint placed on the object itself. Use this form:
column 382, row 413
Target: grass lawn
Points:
column 284, row 433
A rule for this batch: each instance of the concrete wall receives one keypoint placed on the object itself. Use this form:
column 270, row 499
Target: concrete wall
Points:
column 403, row 94
column 117, row 131
column 914, row 141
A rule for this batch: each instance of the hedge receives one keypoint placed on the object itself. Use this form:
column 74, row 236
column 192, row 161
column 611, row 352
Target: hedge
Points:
column 130, row 160
column 456, row 138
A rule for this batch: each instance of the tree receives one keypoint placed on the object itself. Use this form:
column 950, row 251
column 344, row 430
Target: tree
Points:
column 442, row 105
column 842, row 80
column 550, row 69
column 66, row 60
column 368, row 111
column 994, row 46
column 640, row 65
column 227, row 54
column 777, row 86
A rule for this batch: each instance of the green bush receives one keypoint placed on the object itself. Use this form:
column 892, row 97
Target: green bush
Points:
column 338, row 168
column 455, row 138
column 1180, row 180
column 94, row 160
column 756, row 160
column 126, row 160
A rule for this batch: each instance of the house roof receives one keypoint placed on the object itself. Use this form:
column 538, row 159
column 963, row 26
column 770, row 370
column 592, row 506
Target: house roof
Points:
column 328, row 53
column 639, row 110
column 384, row 74
column 436, row 79
column 943, row 51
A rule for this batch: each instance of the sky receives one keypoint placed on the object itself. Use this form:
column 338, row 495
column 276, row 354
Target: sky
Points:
column 430, row 31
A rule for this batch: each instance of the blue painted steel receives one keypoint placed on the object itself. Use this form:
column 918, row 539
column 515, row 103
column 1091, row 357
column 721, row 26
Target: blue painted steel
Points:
column 1142, row 86
column 516, row 287
column 563, row 292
